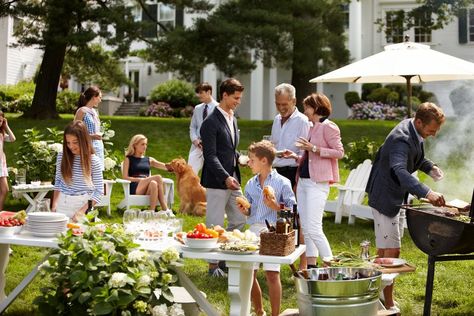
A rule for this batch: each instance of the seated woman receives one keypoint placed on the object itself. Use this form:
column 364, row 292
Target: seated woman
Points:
column 136, row 168
column 78, row 173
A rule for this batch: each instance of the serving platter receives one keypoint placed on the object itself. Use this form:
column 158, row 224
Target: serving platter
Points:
column 187, row 248
column 238, row 252
column 397, row 262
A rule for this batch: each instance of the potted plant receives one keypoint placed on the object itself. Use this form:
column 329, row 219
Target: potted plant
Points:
column 103, row 272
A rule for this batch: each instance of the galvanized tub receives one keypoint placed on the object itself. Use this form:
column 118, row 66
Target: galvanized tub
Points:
column 349, row 297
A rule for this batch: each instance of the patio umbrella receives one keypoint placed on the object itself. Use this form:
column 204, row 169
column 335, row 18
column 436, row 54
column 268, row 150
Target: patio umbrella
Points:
column 405, row 62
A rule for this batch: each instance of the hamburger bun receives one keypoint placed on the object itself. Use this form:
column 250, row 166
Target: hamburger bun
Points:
column 241, row 200
column 269, row 192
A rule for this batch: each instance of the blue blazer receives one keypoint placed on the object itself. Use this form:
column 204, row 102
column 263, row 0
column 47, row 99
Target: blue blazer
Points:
column 391, row 177
column 220, row 154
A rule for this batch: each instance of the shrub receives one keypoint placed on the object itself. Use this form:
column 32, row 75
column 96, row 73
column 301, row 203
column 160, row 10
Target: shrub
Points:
column 66, row 101
column 425, row 96
column 351, row 98
column 379, row 95
column 357, row 152
column 14, row 97
column 176, row 93
column 160, row 109
column 367, row 89
column 377, row 111
column 393, row 98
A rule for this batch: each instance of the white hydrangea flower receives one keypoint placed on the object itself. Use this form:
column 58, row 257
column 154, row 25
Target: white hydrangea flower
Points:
column 170, row 255
column 56, row 147
column 118, row 279
column 43, row 144
column 44, row 265
column 109, row 134
column 167, row 278
column 144, row 280
column 176, row 310
column 159, row 310
column 136, row 255
column 108, row 246
column 109, row 163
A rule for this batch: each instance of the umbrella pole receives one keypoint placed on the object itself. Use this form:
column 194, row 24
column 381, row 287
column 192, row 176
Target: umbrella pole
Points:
column 408, row 78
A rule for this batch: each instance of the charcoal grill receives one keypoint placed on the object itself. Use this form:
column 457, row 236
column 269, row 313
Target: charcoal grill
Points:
column 441, row 238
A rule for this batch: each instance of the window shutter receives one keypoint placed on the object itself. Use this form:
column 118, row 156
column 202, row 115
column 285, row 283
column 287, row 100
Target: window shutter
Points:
column 150, row 27
column 462, row 26
column 179, row 17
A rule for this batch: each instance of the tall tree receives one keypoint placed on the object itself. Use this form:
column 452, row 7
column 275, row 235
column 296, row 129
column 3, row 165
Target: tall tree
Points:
column 58, row 25
column 305, row 36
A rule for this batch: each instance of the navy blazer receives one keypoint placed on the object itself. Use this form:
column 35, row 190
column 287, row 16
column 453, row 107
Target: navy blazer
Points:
column 220, row 154
column 391, row 177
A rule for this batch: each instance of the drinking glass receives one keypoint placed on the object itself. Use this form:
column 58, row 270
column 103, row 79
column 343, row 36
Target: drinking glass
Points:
column 21, row 176
column 43, row 205
column 267, row 137
column 130, row 218
column 243, row 157
column 175, row 225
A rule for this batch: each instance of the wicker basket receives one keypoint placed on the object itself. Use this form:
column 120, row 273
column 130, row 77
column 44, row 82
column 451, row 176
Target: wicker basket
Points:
column 273, row 244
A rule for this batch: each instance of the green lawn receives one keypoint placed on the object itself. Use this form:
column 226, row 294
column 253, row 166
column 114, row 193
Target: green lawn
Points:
column 169, row 138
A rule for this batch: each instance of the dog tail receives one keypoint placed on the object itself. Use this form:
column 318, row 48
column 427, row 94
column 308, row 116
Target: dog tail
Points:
column 200, row 208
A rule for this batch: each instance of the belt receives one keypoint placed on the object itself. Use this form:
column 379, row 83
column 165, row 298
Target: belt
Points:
column 286, row 168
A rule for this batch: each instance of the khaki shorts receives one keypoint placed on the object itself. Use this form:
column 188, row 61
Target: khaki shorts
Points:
column 387, row 230
column 257, row 229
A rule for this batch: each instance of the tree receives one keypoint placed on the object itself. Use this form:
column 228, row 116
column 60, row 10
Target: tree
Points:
column 58, row 25
column 302, row 35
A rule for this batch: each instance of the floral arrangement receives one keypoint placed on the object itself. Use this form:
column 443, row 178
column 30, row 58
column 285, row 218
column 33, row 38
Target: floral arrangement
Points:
column 103, row 272
column 377, row 111
column 111, row 157
column 37, row 154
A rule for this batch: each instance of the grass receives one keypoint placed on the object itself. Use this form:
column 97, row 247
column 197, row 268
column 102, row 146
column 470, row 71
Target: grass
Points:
column 169, row 138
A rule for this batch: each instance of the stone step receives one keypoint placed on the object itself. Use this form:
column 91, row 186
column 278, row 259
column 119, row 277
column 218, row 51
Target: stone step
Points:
column 129, row 109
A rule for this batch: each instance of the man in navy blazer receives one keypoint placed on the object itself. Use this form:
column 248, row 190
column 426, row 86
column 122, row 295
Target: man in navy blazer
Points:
column 391, row 179
column 220, row 173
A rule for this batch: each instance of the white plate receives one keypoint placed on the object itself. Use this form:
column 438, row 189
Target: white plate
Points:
column 187, row 248
column 46, row 216
column 41, row 221
column 397, row 262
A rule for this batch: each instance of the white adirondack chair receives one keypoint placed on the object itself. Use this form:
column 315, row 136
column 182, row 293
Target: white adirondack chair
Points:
column 352, row 192
column 105, row 200
column 135, row 199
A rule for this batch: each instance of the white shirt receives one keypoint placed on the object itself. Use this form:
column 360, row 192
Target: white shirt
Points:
column 229, row 118
column 284, row 137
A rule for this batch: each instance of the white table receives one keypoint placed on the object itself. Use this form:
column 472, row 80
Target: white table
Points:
column 239, row 278
column 38, row 192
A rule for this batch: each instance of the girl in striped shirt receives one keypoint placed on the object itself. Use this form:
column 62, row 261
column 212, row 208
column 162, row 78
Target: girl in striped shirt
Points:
column 78, row 173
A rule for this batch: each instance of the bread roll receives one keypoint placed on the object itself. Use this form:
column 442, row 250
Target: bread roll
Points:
column 269, row 192
column 241, row 200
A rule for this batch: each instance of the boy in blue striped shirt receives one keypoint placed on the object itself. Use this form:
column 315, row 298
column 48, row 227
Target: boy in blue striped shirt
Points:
column 265, row 207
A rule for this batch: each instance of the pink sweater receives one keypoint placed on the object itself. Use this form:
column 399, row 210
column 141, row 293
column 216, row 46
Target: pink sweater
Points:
column 323, row 166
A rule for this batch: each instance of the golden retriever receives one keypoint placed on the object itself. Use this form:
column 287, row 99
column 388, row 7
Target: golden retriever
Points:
column 191, row 193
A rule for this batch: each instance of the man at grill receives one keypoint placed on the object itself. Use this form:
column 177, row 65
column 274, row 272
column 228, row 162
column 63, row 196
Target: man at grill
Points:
column 391, row 180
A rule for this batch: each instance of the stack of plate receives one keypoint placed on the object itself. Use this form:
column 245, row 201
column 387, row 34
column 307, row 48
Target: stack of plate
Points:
column 46, row 224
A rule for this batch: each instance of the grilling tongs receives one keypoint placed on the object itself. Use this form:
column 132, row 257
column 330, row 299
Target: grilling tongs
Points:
column 424, row 200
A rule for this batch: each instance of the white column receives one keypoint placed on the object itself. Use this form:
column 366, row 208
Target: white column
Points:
column 272, row 83
column 209, row 75
column 256, row 91
column 355, row 37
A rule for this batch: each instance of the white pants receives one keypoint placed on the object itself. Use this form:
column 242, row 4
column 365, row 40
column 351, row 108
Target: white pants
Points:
column 311, row 197
column 195, row 159
column 70, row 204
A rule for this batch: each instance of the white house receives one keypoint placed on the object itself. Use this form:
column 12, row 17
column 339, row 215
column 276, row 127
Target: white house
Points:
column 455, row 39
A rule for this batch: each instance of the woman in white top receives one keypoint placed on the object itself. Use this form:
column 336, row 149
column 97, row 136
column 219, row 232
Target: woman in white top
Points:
column 87, row 112
column 78, row 173
column 6, row 135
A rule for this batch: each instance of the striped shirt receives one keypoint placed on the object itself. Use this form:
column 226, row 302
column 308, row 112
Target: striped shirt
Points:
column 259, row 212
column 78, row 186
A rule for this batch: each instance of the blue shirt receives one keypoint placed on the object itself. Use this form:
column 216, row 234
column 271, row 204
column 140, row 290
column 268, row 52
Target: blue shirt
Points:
column 259, row 212
column 78, row 186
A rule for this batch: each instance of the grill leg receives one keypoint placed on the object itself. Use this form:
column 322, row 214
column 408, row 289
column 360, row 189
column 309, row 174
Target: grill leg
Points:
column 429, row 285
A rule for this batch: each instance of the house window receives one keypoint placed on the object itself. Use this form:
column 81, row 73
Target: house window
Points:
column 167, row 16
column 345, row 10
column 394, row 26
column 470, row 17
column 422, row 33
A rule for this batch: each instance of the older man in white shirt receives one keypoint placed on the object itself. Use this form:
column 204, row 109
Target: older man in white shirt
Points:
column 201, row 111
column 288, row 126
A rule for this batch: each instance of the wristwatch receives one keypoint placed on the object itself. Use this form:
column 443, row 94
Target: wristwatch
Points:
column 314, row 149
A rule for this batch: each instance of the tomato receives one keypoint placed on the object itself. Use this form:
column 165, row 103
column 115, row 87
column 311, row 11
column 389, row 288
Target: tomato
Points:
column 201, row 227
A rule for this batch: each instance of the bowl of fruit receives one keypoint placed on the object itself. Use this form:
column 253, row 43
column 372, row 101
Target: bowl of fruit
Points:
column 201, row 237
column 11, row 223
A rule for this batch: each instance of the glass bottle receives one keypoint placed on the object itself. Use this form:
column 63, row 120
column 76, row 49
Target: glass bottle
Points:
column 364, row 250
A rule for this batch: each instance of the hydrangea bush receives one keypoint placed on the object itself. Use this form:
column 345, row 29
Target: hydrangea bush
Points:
column 159, row 109
column 103, row 272
column 377, row 111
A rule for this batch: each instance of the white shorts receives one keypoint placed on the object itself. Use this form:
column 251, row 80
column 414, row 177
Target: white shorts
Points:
column 257, row 228
column 387, row 230
column 70, row 204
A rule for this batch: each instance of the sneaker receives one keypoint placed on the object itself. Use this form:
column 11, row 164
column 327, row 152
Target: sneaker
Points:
column 217, row 273
column 394, row 310
column 170, row 213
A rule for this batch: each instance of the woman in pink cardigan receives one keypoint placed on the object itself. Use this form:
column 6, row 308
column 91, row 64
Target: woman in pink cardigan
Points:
column 318, row 168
